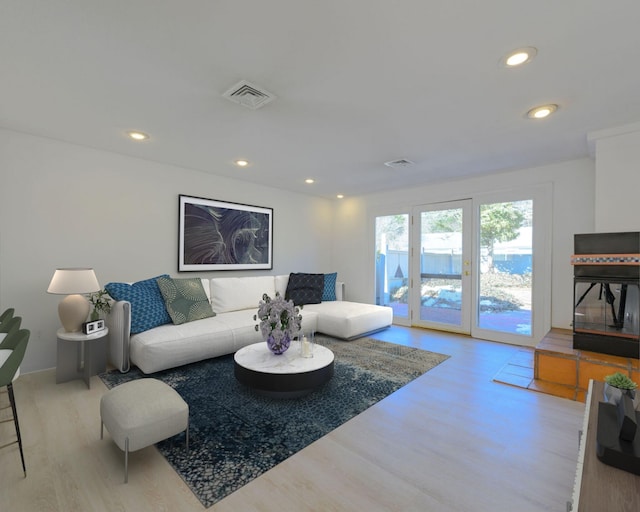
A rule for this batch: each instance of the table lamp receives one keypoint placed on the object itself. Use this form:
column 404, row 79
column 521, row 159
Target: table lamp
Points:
column 74, row 308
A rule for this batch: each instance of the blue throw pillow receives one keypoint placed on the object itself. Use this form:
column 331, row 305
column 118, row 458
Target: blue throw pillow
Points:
column 329, row 292
column 147, row 304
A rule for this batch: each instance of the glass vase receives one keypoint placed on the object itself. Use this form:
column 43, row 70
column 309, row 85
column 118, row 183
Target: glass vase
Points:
column 279, row 346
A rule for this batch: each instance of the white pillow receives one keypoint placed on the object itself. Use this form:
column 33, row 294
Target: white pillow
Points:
column 281, row 284
column 207, row 288
column 236, row 293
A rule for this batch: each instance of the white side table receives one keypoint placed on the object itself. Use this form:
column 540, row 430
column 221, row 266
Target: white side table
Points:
column 81, row 355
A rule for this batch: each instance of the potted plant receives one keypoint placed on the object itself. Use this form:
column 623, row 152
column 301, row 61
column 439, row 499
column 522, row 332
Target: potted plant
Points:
column 616, row 384
column 101, row 304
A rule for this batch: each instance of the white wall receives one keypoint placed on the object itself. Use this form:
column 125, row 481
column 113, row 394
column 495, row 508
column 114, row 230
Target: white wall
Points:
column 63, row 205
column 573, row 212
column 617, row 179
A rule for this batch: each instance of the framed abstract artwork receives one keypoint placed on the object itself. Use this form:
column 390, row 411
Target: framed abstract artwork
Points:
column 217, row 235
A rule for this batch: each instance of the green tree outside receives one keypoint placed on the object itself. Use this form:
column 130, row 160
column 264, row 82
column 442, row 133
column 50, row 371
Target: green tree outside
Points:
column 499, row 222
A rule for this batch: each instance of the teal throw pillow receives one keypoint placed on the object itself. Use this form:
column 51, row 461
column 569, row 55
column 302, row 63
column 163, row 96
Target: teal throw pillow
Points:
column 147, row 305
column 329, row 291
column 185, row 299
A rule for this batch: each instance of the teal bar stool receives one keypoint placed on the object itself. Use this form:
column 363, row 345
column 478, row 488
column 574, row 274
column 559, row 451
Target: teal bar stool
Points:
column 6, row 315
column 12, row 350
column 8, row 326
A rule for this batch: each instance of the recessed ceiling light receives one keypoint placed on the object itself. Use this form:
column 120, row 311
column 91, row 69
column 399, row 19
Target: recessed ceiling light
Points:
column 542, row 111
column 241, row 163
column 137, row 135
column 309, row 181
column 340, row 196
column 401, row 162
column 519, row 57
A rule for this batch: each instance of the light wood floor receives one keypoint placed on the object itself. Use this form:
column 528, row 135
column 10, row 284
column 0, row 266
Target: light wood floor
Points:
column 452, row 440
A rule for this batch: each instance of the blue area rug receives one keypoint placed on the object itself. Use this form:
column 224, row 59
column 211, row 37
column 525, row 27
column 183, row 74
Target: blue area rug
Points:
column 236, row 434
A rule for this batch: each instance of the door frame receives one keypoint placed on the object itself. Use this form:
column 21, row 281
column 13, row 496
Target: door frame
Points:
column 542, row 196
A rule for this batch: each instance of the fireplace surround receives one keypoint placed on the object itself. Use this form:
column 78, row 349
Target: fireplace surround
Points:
column 606, row 293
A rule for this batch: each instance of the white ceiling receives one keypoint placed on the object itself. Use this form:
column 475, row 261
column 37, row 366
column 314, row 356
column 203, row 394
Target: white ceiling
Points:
column 358, row 83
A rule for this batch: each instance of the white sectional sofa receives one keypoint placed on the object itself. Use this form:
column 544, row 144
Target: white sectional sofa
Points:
column 234, row 300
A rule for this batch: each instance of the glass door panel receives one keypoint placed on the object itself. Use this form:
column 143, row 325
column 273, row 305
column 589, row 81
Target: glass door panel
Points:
column 392, row 265
column 444, row 267
column 505, row 292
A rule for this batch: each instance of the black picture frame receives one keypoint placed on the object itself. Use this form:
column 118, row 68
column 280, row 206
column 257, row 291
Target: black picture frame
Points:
column 220, row 235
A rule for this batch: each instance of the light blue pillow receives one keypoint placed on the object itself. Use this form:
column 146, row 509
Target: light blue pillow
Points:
column 147, row 304
column 329, row 292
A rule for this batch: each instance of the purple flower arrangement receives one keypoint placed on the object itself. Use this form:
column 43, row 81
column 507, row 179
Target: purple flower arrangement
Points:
column 280, row 322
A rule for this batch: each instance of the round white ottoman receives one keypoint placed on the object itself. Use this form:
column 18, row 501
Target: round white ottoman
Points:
column 140, row 413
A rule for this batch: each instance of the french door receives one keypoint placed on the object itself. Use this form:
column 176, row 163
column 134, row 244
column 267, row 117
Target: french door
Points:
column 512, row 281
column 476, row 266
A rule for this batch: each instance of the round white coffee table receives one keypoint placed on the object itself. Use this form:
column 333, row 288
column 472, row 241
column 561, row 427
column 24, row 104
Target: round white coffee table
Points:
column 285, row 375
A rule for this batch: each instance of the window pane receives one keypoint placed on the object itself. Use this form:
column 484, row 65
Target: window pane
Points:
column 392, row 263
column 441, row 266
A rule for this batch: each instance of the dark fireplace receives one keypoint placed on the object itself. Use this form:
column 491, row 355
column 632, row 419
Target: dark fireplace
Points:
column 606, row 293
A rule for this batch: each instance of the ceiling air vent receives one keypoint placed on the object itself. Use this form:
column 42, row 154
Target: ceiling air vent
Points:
column 402, row 162
column 249, row 95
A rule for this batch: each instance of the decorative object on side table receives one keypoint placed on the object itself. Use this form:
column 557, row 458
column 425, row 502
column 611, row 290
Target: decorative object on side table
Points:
column 93, row 326
column 101, row 304
column 280, row 322
column 616, row 385
column 73, row 282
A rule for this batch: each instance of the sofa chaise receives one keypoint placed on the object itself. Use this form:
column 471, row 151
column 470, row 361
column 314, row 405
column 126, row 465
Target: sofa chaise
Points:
column 141, row 333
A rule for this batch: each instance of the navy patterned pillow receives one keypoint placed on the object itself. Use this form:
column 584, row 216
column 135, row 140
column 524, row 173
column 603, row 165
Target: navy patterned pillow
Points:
column 147, row 304
column 329, row 291
column 305, row 288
